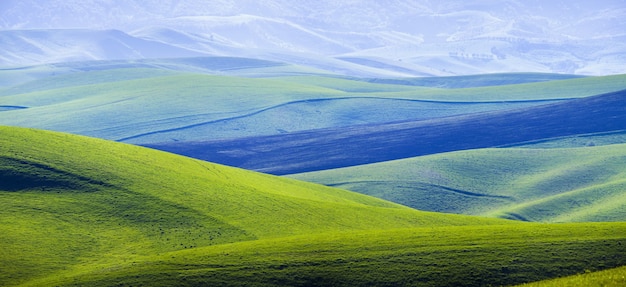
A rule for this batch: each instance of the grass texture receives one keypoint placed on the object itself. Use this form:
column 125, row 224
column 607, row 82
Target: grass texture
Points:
column 547, row 185
column 615, row 277
column 79, row 211
column 196, row 99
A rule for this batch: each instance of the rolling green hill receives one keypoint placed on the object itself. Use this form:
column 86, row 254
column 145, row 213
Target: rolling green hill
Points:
column 607, row 278
column 547, row 185
column 77, row 211
column 323, row 149
column 179, row 100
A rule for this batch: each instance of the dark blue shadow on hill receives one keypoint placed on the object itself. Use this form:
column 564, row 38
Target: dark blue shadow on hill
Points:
column 10, row 108
column 340, row 147
column 23, row 175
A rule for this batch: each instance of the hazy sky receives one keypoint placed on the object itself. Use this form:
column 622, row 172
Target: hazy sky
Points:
column 343, row 15
column 564, row 35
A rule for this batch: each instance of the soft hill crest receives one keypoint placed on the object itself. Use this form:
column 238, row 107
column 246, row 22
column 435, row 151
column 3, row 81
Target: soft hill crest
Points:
column 547, row 185
column 300, row 152
column 110, row 214
column 107, row 200
column 224, row 192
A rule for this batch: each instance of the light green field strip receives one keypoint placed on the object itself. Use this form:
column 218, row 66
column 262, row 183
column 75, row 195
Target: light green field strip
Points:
column 568, row 184
column 615, row 277
column 126, row 103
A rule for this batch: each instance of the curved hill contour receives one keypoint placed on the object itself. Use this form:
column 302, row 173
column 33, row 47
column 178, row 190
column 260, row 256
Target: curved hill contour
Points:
column 547, row 185
column 78, row 211
column 340, row 147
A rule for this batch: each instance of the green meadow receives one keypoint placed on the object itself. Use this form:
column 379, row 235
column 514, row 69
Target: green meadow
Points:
column 214, row 98
column 545, row 185
column 81, row 206
column 615, row 277
column 79, row 211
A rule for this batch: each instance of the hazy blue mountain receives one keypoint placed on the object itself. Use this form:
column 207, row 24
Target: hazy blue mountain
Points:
column 392, row 37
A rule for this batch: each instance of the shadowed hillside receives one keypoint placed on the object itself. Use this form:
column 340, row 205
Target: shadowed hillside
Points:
column 333, row 148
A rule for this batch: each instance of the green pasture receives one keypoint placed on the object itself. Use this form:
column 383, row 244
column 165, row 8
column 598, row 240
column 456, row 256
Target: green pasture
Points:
column 546, row 185
column 179, row 101
column 78, row 197
column 79, row 211
column 431, row 256
column 615, row 277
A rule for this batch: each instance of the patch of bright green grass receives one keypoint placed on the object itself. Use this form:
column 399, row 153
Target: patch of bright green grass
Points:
column 494, row 255
column 100, row 213
column 615, row 277
column 563, row 185
column 68, row 201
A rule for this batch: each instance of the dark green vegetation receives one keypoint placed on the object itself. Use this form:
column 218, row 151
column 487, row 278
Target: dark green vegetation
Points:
column 99, row 213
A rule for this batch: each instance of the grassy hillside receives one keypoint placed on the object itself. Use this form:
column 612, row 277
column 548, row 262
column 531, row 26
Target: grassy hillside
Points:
column 78, row 211
column 560, row 185
column 608, row 278
column 363, row 144
column 179, row 100
column 111, row 200
column 439, row 256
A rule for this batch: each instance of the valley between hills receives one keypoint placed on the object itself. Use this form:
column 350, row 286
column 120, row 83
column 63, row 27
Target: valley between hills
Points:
column 238, row 171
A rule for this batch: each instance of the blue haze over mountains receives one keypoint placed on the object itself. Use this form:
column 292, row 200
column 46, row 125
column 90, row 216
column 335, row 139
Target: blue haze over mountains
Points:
column 357, row 37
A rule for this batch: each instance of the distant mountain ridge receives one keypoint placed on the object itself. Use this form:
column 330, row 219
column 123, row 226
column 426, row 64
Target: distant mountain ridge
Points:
column 417, row 38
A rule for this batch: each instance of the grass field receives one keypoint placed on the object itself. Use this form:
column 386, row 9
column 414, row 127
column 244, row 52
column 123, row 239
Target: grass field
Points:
column 79, row 211
column 607, row 278
column 561, row 185
column 440, row 256
column 369, row 143
column 212, row 98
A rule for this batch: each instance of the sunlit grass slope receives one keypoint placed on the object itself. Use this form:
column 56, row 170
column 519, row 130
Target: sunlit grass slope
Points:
column 615, row 277
column 82, row 198
column 77, row 211
column 568, row 184
column 495, row 255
